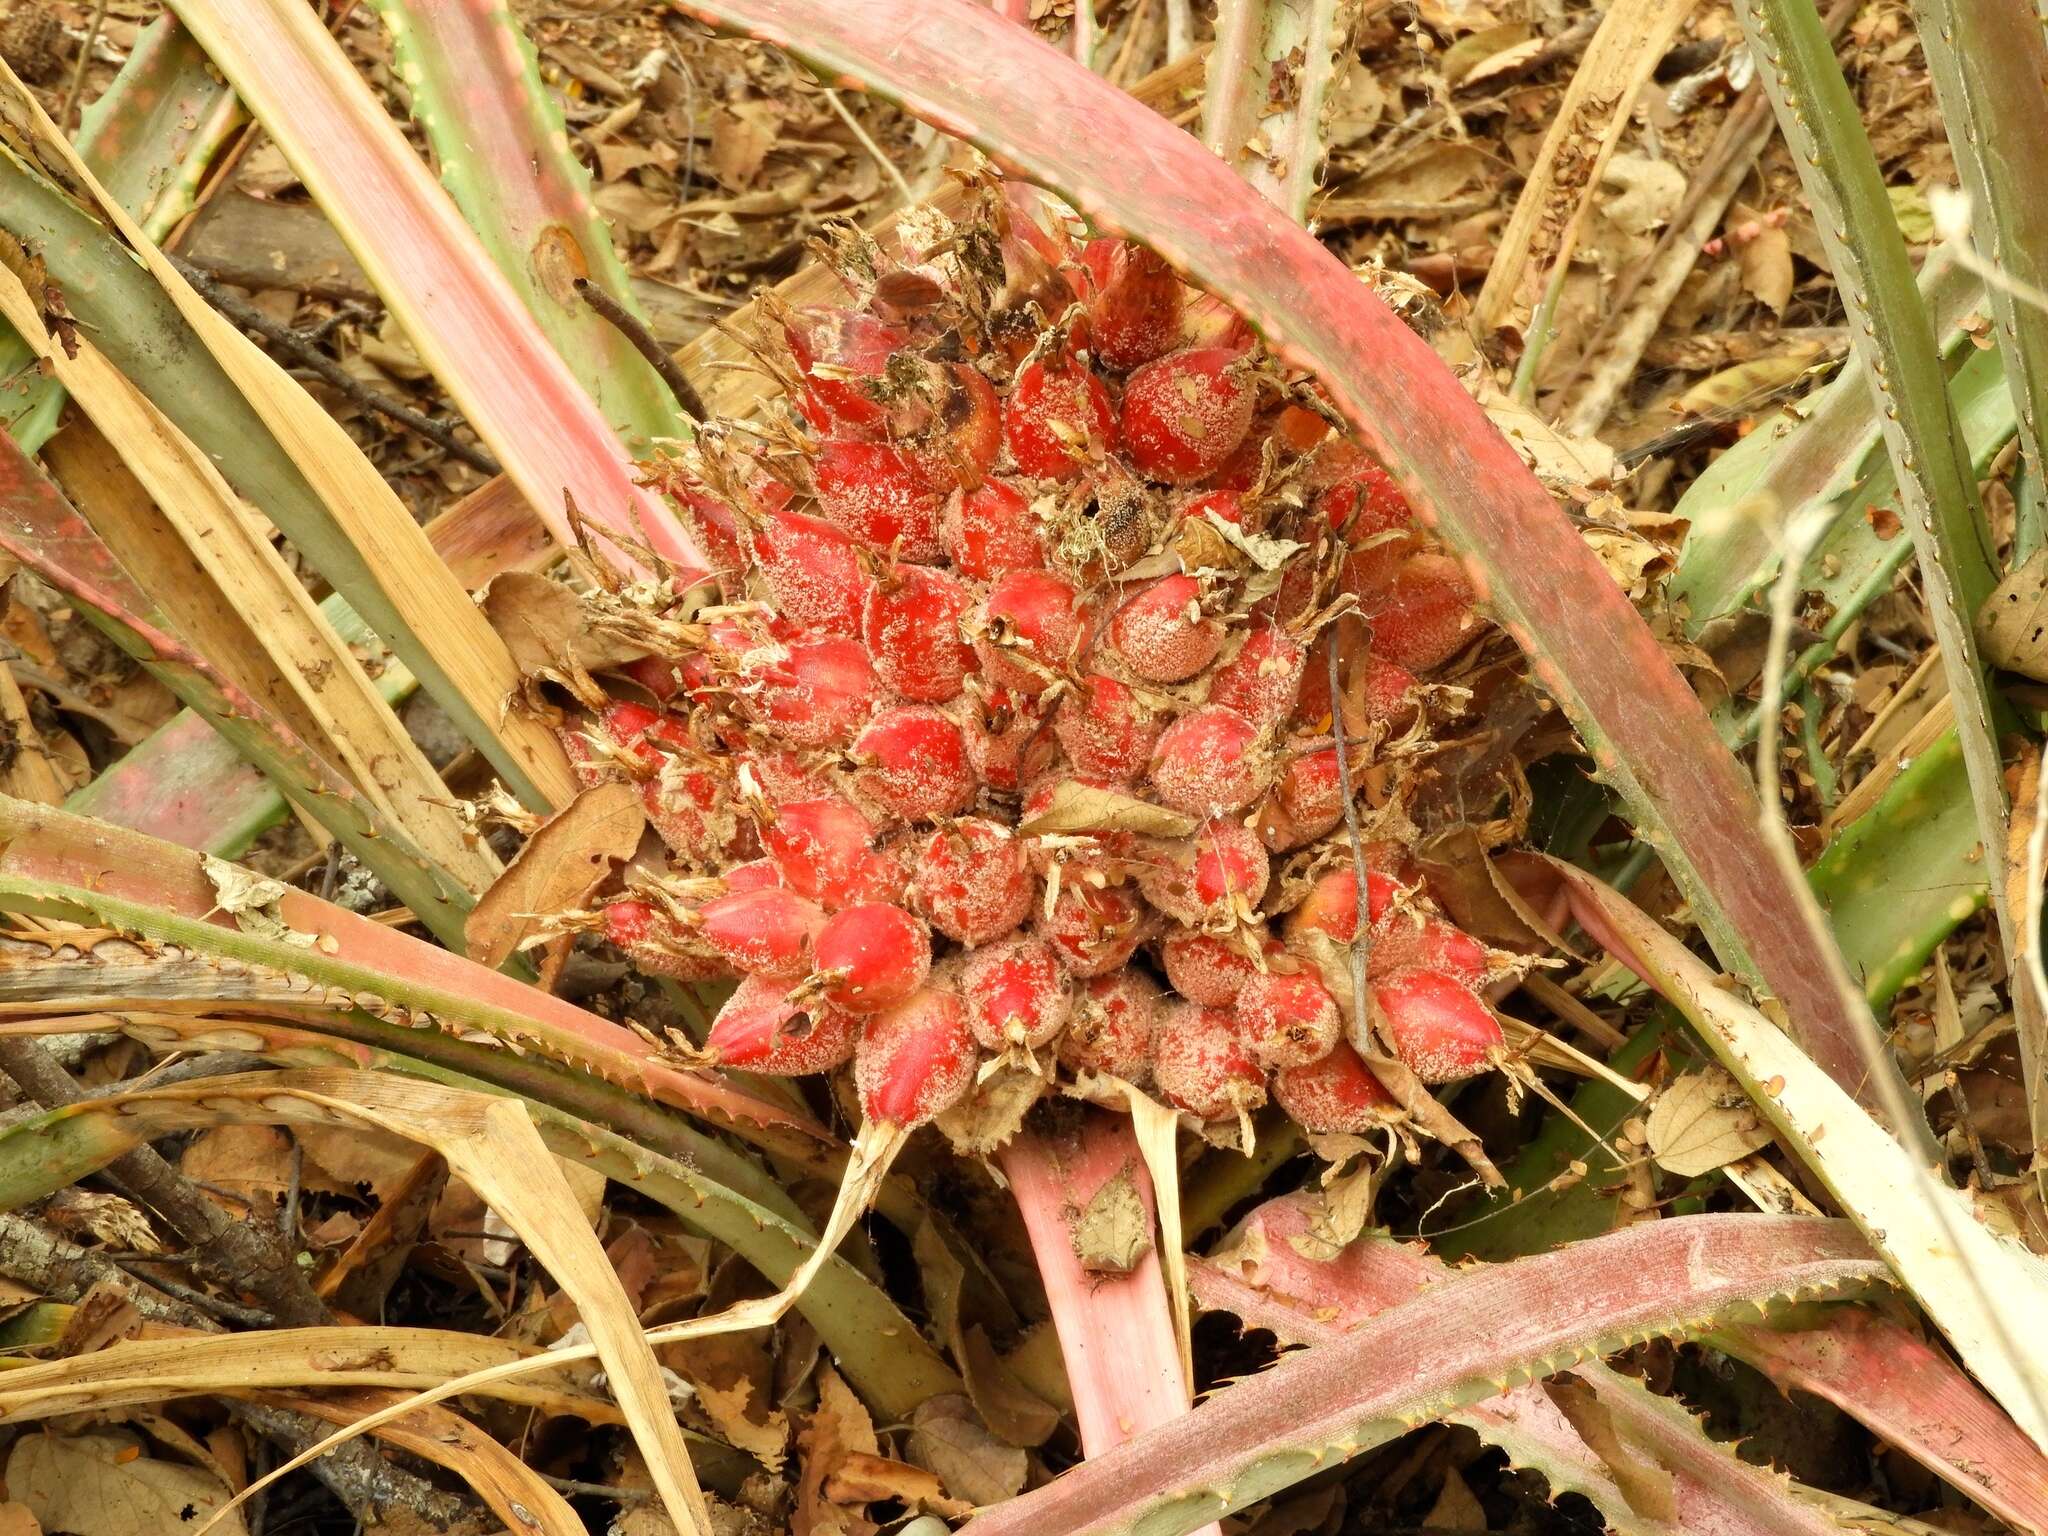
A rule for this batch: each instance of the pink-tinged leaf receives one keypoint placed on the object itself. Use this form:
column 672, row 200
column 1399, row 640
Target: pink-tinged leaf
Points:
column 467, row 324
column 1912, row 1396
column 42, row 531
column 1485, row 1330
column 1269, row 1281
column 1115, row 1330
column 473, row 84
column 139, row 884
column 188, row 785
column 966, row 71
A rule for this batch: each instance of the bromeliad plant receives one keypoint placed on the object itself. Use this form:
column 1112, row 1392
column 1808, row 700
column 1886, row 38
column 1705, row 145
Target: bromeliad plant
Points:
column 1022, row 639
column 1044, row 694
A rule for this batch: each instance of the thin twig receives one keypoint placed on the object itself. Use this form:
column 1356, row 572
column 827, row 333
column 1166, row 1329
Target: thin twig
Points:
column 286, row 339
column 867, row 142
column 628, row 325
column 1414, row 1096
column 71, row 92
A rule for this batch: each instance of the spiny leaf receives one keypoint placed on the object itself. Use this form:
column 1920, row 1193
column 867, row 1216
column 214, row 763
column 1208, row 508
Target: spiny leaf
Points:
column 1489, row 1328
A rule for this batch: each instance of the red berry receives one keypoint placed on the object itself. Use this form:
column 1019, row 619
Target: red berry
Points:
column 962, row 431
column 1184, row 414
column 763, row 933
column 820, row 846
column 913, row 763
column 811, row 694
column 1015, row 994
column 689, row 805
column 991, row 529
column 971, row 880
column 1218, row 877
column 1331, row 907
column 1207, row 762
column 1057, row 419
column 1206, row 968
column 1389, row 693
column 755, row 875
column 1162, row 634
column 1107, row 730
column 1439, row 1027
column 1227, row 505
column 760, row 1030
column 1403, row 941
column 838, row 351
column 870, row 957
column 1028, row 629
column 1007, row 738
column 877, row 493
column 1200, row 1063
column 1093, row 928
column 1134, row 313
column 1337, row 1096
column 1288, row 1021
column 1426, row 617
column 657, row 944
column 1307, row 802
column 1111, row 1026
column 812, row 572
column 912, row 628
column 915, row 1061
column 1353, row 491
column 1262, row 680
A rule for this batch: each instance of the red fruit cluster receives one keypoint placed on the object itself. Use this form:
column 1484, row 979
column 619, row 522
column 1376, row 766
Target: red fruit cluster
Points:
column 1008, row 731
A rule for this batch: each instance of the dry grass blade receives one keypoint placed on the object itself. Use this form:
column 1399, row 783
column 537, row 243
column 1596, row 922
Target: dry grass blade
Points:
column 426, row 599
column 134, row 1371
column 492, row 1145
column 1984, row 1293
column 517, row 1494
column 1543, row 230
column 222, row 540
column 468, row 324
column 874, row 1149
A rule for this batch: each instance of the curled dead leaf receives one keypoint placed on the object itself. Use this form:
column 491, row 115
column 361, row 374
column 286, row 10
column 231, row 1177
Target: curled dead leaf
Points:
column 1078, row 807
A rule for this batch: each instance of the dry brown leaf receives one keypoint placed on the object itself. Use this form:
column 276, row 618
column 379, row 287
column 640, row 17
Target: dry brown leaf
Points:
column 567, row 858
column 1704, row 1121
column 865, row 1479
column 1113, row 1232
column 251, row 1163
column 1765, row 254
column 544, row 624
column 1078, row 807
column 2012, row 626
column 103, row 1485
column 19, row 1520
column 971, row 1463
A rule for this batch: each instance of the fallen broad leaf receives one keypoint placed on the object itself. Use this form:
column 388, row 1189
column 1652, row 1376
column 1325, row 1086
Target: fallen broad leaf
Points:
column 102, row 1485
column 2012, row 626
column 1113, row 1233
column 1704, row 1121
column 566, row 859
